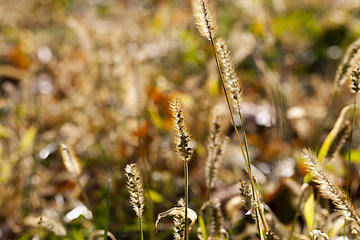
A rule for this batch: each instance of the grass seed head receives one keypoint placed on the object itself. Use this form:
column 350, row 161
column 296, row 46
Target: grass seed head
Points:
column 344, row 70
column 205, row 18
column 215, row 148
column 231, row 78
column 355, row 78
column 135, row 187
column 329, row 188
column 182, row 141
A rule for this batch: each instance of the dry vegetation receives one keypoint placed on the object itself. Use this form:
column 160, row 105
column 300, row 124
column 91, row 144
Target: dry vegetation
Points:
column 97, row 76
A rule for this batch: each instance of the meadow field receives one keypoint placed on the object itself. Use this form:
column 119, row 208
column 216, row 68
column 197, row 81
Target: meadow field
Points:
column 119, row 119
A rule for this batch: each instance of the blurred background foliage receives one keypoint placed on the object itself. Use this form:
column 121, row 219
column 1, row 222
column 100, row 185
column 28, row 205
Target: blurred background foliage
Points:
column 98, row 75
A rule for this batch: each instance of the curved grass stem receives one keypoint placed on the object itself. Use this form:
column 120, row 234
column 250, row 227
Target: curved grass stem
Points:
column 247, row 161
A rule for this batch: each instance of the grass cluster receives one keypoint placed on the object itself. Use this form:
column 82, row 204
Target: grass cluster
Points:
column 196, row 119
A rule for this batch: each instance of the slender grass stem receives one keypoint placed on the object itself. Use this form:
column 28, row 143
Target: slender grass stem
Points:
column 141, row 229
column 245, row 140
column 186, row 198
column 107, row 211
column 351, row 135
column 349, row 160
column 207, row 211
column 237, row 134
column 145, row 160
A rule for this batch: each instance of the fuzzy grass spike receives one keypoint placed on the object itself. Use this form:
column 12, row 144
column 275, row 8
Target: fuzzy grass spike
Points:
column 330, row 189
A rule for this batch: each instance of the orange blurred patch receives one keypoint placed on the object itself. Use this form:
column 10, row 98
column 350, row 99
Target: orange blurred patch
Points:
column 18, row 58
column 142, row 131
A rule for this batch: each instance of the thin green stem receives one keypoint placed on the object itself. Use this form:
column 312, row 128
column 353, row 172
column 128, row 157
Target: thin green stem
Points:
column 208, row 194
column 141, row 229
column 145, row 160
column 237, row 133
column 207, row 211
column 351, row 136
column 186, row 198
column 107, row 211
column 245, row 140
column 349, row 160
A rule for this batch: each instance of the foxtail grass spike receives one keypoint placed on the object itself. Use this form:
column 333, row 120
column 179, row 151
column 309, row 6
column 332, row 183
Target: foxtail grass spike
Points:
column 182, row 141
column 345, row 68
column 216, row 144
column 179, row 223
column 71, row 162
column 232, row 80
column 330, row 189
column 205, row 18
column 355, row 78
column 216, row 228
column 184, row 148
column 135, row 187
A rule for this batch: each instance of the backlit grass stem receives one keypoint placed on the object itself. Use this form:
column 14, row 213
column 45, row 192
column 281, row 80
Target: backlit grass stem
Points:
column 183, row 147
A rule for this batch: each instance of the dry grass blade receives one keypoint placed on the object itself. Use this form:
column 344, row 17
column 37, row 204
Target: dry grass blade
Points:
column 70, row 160
column 54, row 226
column 178, row 211
column 205, row 18
column 330, row 189
column 333, row 133
column 99, row 235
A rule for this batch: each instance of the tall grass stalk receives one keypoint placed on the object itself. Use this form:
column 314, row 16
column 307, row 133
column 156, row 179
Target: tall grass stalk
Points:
column 351, row 135
column 136, row 189
column 147, row 179
column 183, row 147
column 215, row 148
column 205, row 20
column 354, row 87
column 248, row 167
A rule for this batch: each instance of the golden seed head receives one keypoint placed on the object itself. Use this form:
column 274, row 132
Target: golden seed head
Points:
column 182, row 141
column 135, row 187
column 205, row 19
column 231, row 78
